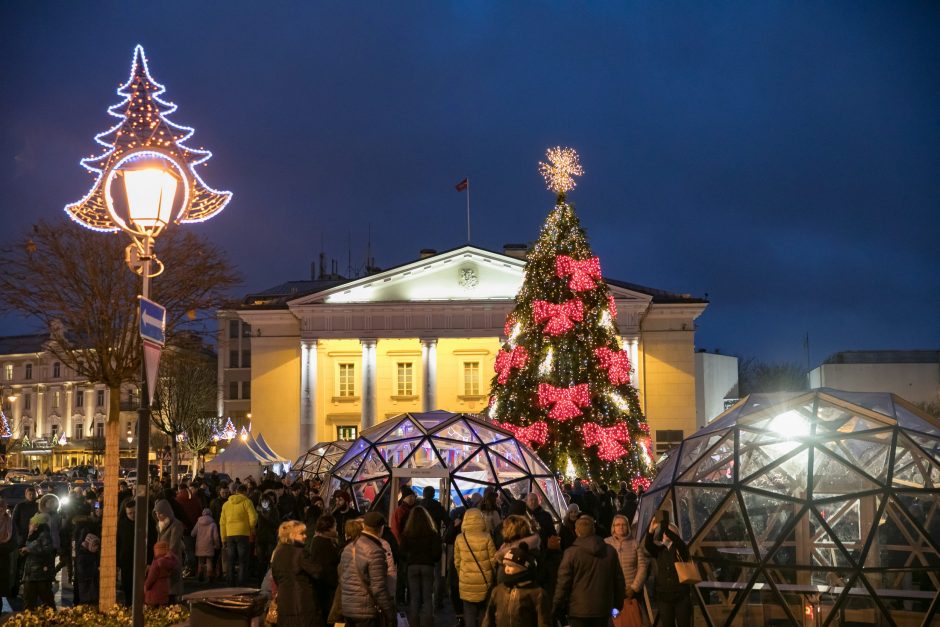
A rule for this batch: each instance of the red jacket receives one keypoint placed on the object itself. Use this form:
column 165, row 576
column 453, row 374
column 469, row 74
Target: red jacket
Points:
column 157, row 584
column 191, row 507
column 399, row 518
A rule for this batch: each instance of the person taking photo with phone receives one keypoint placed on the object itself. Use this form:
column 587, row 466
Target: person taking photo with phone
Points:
column 665, row 548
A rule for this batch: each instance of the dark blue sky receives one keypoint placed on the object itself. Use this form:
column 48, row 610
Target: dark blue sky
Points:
column 783, row 158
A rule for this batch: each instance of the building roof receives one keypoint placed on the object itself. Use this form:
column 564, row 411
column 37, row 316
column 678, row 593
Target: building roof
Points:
column 278, row 296
column 21, row 344
column 885, row 357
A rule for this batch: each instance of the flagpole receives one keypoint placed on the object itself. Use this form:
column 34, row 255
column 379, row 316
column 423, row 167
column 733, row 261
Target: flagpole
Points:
column 468, row 210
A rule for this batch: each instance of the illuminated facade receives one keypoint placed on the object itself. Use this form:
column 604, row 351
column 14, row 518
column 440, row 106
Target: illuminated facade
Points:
column 321, row 360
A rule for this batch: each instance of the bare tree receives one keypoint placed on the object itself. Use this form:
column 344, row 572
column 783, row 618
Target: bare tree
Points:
column 75, row 284
column 199, row 437
column 186, row 394
column 761, row 376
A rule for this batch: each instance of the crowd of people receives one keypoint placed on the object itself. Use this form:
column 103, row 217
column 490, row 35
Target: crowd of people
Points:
column 496, row 560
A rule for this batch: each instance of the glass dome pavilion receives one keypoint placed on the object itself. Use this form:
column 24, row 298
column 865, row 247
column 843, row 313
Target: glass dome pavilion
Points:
column 469, row 450
column 822, row 505
column 319, row 460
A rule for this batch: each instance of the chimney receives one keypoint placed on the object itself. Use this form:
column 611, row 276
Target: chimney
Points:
column 519, row 251
column 427, row 252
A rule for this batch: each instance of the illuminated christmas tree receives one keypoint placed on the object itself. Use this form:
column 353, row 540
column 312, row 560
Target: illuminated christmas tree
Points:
column 562, row 380
column 4, row 426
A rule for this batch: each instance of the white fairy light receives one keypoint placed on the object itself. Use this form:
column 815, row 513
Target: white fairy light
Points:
column 545, row 368
column 619, row 401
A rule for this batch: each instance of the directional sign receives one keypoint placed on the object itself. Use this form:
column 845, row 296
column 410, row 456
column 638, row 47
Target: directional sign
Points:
column 152, row 321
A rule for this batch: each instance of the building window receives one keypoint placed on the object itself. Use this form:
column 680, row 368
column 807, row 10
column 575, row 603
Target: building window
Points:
column 246, row 389
column 99, row 430
column 667, row 439
column 55, row 399
column 29, row 371
column 233, row 358
column 347, row 432
column 471, row 378
column 55, row 432
column 78, row 431
column 246, row 359
column 347, row 380
column 99, row 398
column 56, row 370
column 79, row 398
column 8, row 372
column 27, row 401
column 405, row 382
column 25, row 431
column 246, row 329
column 233, row 328
column 233, row 390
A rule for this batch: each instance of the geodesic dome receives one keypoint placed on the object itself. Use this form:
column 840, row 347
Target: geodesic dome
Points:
column 475, row 453
column 822, row 505
column 319, row 460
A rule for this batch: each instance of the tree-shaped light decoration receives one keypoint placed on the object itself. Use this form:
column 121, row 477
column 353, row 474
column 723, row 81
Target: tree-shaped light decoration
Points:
column 244, row 434
column 562, row 381
column 4, row 426
column 228, row 431
column 145, row 131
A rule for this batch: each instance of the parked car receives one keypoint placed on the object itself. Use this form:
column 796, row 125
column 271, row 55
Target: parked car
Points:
column 19, row 475
column 15, row 493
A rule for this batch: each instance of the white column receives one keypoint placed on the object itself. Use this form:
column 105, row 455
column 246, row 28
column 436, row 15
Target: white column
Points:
column 634, row 353
column 368, row 382
column 40, row 412
column 67, row 427
column 308, row 394
column 429, row 374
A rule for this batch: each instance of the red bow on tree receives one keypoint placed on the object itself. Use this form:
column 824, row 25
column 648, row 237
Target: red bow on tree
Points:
column 616, row 363
column 639, row 483
column 612, row 306
column 536, row 432
column 607, row 439
column 507, row 360
column 584, row 274
column 508, row 325
column 561, row 317
column 566, row 401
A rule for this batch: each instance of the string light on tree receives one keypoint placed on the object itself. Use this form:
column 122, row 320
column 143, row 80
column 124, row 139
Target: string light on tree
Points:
column 4, row 426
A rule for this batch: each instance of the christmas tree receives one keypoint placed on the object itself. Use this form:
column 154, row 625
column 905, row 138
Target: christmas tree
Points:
column 4, row 426
column 562, row 382
column 144, row 128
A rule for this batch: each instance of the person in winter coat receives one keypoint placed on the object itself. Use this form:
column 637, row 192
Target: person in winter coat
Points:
column 632, row 557
column 237, row 524
column 171, row 530
column 39, row 564
column 294, row 572
column 324, row 553
column 516, row 531
column 159, row 581
column 87, row 560
column 268, row 523
column 206, row 533
column 364, row 571
column 673, row 599
column 7, row 550
column 341, row 512
column 421, row 546
column 406, row 502
column 192, row 509
column 518, row 599
column 590, row 583
column 475, row 563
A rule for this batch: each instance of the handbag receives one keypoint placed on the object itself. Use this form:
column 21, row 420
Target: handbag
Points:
column 688, row 573
column 629, row 616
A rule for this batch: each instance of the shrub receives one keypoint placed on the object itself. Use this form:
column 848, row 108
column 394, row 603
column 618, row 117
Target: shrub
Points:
column 87, row 615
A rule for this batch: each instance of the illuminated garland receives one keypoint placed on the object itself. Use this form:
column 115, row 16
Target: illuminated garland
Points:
column 584, row 274
column 536, row 433
column 616, row 363
column 4, row 426
column 607, row 439
column 565, row 402
column 560, row 318
column 517, row 358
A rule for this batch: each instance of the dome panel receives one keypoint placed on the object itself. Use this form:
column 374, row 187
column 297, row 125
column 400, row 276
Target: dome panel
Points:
column 372, row 466
column 868, row 453
column 725, row 537
column 769, row 517
column 396, row 452
column 787, row 475
column 477, row 467
column 487, row 434
column 698, row 504
column 511, row 451
column 909, row 420
column 833, row 476
column 827, row 553
column 424, row 456
column 758, row 450
column 694, row 448
column 404, row 430
column 716, row 466
column 457, row 430
column 453, row 453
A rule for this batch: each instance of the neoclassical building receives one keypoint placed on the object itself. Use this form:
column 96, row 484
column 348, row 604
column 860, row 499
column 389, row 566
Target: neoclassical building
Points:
column 319, row 360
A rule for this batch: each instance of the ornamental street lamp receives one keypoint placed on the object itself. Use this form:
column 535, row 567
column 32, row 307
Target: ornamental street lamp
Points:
column 146, row 181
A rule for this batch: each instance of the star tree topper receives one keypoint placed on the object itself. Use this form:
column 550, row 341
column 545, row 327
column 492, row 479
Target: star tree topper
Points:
column 561, row 169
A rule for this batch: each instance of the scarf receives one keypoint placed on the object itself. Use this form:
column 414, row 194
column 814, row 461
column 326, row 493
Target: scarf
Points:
column 518, row 579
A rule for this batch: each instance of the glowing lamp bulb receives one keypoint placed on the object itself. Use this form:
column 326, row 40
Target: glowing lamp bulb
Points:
column 150, row 193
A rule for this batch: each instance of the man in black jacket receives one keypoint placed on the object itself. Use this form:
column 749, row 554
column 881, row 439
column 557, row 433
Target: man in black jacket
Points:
column 673, row 599
column 590, row 582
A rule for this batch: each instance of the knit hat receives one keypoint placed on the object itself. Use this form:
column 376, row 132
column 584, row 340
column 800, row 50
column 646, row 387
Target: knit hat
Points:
column 39, row 519
column 207, row 512
column 573, row 509
column 161, row 548
column 518, row 554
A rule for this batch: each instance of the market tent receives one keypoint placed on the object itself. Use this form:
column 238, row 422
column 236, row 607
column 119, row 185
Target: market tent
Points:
column 239, row 460
column 268, row 450
column 254, row 446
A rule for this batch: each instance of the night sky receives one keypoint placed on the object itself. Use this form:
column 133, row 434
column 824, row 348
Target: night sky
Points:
column 782, row 158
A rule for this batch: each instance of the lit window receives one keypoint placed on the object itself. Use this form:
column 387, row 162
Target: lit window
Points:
column 347, row 432
column 471, row 378
column 79, row 398
column 29, row 371
column 405, row 382
column 8, row 372
column 347, row 380
column 667, row 439
column 99, row 397
column 55, row 399
column 78, row 429
column 56, row 370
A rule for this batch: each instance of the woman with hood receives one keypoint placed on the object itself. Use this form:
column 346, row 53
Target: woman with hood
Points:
column 324, row 553
column 518, row 599
column 475, row 563
column 170, row 530
column 206, row 533
column 39, row 567
column 268, row 522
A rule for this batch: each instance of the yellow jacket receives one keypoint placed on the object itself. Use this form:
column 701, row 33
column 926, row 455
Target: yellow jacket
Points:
column 475, row 576
column 238, row 517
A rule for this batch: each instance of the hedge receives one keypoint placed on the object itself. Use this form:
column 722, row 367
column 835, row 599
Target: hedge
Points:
column 118, row 616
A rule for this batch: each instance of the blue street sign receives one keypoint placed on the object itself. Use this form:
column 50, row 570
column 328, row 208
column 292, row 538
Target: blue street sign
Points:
column 152, row 321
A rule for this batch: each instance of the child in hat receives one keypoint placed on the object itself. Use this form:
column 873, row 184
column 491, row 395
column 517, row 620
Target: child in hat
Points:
column 518, row 599
column 157, row 583
column 206, row 533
